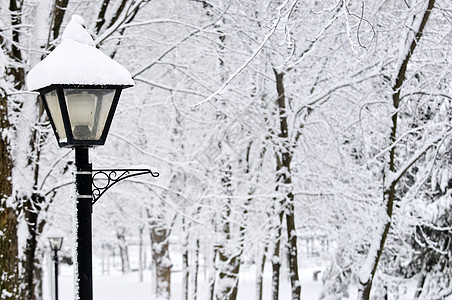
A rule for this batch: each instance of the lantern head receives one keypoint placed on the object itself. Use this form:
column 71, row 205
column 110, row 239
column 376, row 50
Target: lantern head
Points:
column 79, row 87
column 55, row 237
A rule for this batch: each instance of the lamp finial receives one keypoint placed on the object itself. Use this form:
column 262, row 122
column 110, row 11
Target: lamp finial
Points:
column 76, row 31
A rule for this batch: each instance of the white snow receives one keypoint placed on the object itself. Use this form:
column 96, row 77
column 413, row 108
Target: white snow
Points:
column 366, row 268
column 54, row 232
column 116, row 286
column 430, row 212
column 77, row 61
column 76, row 31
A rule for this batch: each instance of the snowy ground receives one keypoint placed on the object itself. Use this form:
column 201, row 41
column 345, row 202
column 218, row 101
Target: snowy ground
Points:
column 119, row 287
column 113, row 285
column 116, row 286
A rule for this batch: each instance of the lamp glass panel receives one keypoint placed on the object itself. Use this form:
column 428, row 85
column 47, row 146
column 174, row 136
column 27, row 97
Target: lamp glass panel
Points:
column 56, row 243
column 53, row 105
column 88, row 111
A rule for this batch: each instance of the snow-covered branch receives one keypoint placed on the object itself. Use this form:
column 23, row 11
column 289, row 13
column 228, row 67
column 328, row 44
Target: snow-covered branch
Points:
column 312, row 43
column 395, row 177
column 169, row 50
column 143, row 151
column 248, row 61
column 314, row 99
column 124, row 18
column 168, row 88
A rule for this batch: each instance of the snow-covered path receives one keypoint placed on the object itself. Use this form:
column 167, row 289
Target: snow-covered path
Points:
column 127, row 287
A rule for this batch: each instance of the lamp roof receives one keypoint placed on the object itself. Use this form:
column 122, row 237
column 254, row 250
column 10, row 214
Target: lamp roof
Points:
column 76, row 61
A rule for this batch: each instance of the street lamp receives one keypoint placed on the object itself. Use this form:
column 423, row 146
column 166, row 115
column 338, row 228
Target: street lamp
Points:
column 80, row 88
column 55, row 241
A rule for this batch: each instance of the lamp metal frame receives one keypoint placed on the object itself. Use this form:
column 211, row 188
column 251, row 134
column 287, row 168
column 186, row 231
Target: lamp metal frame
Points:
column 70, row 141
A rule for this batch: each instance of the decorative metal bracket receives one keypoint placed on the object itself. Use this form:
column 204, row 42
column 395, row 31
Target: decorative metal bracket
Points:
column 109, row 177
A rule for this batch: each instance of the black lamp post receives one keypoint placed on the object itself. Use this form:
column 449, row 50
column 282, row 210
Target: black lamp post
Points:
column 55, row 245
column 80, row 89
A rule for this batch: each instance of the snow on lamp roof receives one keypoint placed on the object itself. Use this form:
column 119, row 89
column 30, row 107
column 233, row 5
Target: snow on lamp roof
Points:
column 76, row 61
column 55, row 233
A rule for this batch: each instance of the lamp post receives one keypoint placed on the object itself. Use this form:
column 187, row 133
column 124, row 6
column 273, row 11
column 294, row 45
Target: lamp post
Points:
column 56, row 241
column 80, row 88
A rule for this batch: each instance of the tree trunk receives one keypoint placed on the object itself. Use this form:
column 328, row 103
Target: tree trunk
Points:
column 229, row 274
column 196, row 271
column 229, row 255
column 59, row 11
column 229, row 259
column 276, row 259
column 292, row 249
column 9, row 267
column 284, row 159
column 185, row 265
column 9, row 250
column 212, row 274
column 420, row 284
column 123, row 252
column 161, row 260
column 260, row 276
column 140, row 253
column 32, row 262
column 369, row 268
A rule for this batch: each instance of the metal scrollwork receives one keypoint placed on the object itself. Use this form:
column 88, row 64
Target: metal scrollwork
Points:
column 105, row 179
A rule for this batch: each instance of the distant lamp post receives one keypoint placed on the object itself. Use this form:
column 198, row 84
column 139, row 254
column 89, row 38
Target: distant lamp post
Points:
column 56, row 241
column 80, row 89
